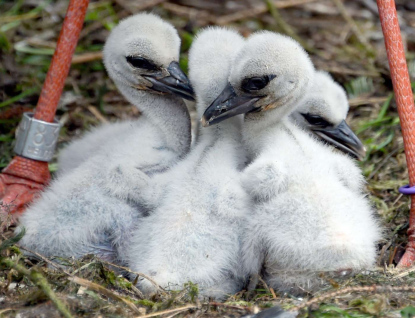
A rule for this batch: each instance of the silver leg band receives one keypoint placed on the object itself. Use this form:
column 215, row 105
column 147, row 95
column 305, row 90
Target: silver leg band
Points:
column 36, row 139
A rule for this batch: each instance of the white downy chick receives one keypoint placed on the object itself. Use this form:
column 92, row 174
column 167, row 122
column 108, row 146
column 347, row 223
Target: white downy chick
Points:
column 194, row 235
column 92, row 208
column 305, row 220
column 324, row 111
column 80, row 150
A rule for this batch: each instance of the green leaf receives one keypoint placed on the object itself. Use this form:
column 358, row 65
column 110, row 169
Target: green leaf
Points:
column 359, row 86
column 8, row 137
column 408, row 312
column 184, row 63
column 373, row 123
column 187, row 39
column 331, row 311
column 369, row 306
column 385, row 107
column 13, row 240
column 5, row 45
column 16, row 98
column 145, row 302
column 193, row 290
column 92, row 16
column 53, row 167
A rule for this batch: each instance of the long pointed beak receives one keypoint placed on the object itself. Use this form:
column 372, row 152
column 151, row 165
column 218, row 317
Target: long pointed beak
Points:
column 343, row 138
column 228, row 104
column 175, row 82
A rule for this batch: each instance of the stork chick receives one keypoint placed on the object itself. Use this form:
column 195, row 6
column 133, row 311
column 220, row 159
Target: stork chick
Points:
column 305, row 220
column 194, row 235
column 324, row 112
column 92, row 208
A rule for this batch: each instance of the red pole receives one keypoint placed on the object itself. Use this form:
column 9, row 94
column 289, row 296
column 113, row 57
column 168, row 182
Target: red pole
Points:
column 24, row 177
column 405, row 103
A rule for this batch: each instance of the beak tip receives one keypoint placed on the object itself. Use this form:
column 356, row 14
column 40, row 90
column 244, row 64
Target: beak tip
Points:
column 204, row 122
column 362, row 154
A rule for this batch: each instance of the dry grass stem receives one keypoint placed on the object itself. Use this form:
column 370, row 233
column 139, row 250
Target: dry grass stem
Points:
column 358, row 101
column 45, row 259
column 341, row 35
column 257, row 10
column 6, row 310
column 355, row 29
column 136, row 6
column 202, row 17
column 358, row 289
column 169, row 311
column 40, row 282
column 97, row 114
column 348, row 71
column 86, row 57
column 404, row 273
column 284, row 26
column 102, row 290
column 22, row 17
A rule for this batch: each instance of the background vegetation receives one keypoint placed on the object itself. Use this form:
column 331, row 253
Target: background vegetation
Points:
column 342, row 37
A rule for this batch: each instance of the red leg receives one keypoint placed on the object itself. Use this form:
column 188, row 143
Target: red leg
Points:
column 405, row 103
column 23, row 177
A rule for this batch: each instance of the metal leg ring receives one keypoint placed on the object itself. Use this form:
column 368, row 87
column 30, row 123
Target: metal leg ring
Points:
column 36, row 139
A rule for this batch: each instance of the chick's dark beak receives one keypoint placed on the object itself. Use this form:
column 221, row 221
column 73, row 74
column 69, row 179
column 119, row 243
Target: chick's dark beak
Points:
column 228, row 104
column 175, row 82
column 343, row 138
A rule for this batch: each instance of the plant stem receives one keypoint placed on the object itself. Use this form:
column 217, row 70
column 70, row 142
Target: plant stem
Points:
column 41, row 283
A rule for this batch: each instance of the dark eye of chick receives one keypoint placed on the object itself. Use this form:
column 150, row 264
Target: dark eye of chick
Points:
column 316, row 120
column 141, row 62
column 256, row 83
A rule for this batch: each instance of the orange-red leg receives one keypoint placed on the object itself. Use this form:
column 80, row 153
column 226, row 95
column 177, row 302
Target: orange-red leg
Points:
column 23, row 178
column 404, row 102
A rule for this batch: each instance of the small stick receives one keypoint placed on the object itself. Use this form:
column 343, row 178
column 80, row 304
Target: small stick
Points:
column 86, row 57
column 170, row 311
column 265, row 284
column 347, row 71
column 273, row 292
column 257, row 10
column 371, row 6
column 392, row 255
column 133, row 8
column 42, row 43
column 102, row 290
column 212, row 303
column 41, row 283
column 43, row 258
column 21, row 17
column 201, row 17
column 284, row 26
column 355, row 29
column 173, row 315
column 357, row 101
column 136, row 291
column 383, row 162
column 347, row 290
column 6, row 310
column 97, row 114
column 404, row 273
